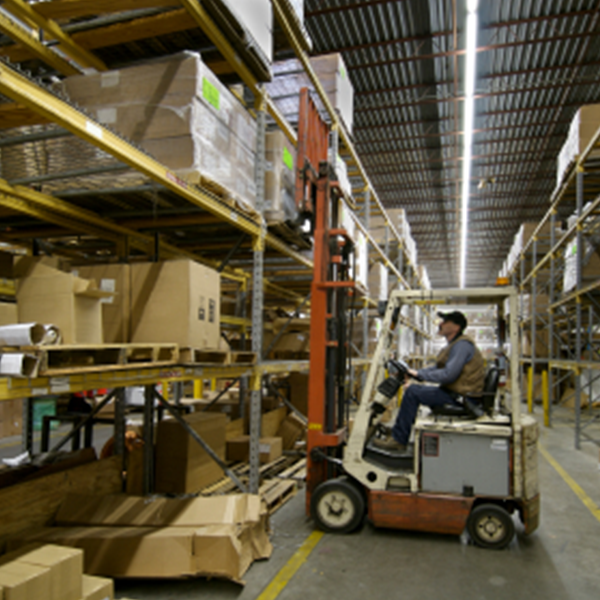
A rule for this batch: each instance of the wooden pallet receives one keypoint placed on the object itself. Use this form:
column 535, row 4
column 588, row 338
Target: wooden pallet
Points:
column 242, row 358
column 276, row 493
column 65, row 359
column 203, row 356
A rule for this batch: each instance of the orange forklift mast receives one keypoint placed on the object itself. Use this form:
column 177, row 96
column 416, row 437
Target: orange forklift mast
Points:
column 318, row 194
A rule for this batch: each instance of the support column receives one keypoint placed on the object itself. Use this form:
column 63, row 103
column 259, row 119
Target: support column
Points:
column 257, row 297
column 551, row 317
column 578, row 314
column 148, row 483
column 27, row 434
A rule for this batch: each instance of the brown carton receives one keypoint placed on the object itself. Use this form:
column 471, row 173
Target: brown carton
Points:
column 116, row 309
column 182, row 465
column 175, row 302
column 8, row 313
column 65, row 565
column 164, row 537
column 269, row 448
column 24, row 582
column 47, row 295
column 97, row 588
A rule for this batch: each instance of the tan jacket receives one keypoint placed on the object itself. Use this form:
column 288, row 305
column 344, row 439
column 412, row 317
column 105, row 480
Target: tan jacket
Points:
column 470, row 381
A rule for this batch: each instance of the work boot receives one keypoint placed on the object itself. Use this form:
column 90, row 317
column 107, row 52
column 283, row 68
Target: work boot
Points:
column 389, row 444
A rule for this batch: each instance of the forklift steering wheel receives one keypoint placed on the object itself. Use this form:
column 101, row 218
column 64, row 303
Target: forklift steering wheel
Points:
column 401, row 367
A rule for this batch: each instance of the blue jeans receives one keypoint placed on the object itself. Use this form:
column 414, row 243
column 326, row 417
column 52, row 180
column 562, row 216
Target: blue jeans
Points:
column 413, row 396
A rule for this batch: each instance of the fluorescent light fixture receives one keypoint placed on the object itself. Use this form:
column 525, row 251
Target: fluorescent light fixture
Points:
column 468, row 117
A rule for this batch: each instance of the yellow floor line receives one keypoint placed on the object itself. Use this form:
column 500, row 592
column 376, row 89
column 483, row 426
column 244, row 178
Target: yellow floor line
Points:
column 587, row 501
column 289, row 570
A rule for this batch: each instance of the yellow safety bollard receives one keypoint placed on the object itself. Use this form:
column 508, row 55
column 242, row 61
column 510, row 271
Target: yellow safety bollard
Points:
column 530, row 390
column 546, row 398
column 213, row 385
column 197, row 388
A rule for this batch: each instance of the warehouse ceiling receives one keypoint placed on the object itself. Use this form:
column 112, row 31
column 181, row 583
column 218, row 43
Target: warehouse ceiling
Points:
column 537, row 62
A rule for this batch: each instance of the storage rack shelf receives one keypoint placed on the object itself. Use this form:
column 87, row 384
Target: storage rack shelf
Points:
column 131, row 226
column 564, row 318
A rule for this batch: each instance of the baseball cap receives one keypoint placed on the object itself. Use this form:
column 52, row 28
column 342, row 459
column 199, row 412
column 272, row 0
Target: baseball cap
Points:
column 454, row 317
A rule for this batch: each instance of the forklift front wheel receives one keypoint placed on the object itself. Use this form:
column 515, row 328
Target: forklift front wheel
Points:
column 337, row 506
column 491, row 526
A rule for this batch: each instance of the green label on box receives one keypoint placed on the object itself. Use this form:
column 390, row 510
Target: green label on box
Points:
column 210, row 93
column 343, row 72
column 288, row 159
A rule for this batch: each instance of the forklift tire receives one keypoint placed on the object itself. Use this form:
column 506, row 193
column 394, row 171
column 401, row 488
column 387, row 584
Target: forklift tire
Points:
column 337, row 506
column 491, row 526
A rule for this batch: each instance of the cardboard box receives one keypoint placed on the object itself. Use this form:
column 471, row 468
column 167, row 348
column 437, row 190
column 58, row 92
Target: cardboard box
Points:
column 291, row 430
column 97, row 588
column 270, row 448
column 175, row 301
column 182, row 465
column 121, row 510
column 116, row 310
column 280, row 178
column 50, row 296
column 218, row 536
column 180, row 113
column 299, row 391
column 65, row 567
column 289, row 77
column 583, row 127
column 11, row 418
column 8, row 313
column 24, row 582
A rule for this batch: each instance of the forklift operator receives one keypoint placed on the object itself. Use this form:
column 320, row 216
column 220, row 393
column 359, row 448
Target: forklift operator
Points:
column 459, row 371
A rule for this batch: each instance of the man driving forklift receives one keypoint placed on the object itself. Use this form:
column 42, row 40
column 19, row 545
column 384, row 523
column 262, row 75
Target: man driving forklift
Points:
column 459, row 371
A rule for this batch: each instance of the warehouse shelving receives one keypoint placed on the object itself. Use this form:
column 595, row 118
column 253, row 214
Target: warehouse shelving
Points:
column 564, row 334
column 159, row 181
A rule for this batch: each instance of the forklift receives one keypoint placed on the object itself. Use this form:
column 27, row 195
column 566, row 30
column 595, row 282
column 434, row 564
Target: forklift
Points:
column 472, row 467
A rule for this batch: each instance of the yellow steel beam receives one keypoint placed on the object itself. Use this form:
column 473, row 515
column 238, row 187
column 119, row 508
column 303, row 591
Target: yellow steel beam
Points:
column 32, row 43
column 28, row 208
column 24, row 91
column 119, row 33
column 226, row 49
column 25, row 11
column 68, row 9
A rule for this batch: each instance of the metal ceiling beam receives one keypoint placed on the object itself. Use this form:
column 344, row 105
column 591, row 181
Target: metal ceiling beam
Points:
column 25, row 11
column 450, row 53
column 428, row 124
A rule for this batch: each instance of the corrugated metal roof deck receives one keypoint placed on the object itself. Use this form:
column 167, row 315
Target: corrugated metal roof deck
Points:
column 536, row 64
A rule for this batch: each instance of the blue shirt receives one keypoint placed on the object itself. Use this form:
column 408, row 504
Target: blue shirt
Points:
column 460, row 354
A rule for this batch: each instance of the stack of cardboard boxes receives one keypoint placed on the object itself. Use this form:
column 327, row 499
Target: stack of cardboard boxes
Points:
column 167, row 302
column 49, row 572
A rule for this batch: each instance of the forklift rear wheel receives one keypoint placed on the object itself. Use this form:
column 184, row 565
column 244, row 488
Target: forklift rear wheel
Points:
column 337, row 506
column 491, row 526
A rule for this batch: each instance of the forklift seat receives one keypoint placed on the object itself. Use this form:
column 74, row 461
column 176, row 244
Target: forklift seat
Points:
column 473, row 408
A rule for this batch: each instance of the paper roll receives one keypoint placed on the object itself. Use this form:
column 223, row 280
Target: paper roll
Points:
column 22, row 334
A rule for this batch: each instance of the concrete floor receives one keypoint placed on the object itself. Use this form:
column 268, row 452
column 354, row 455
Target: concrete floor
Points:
column 559, row 561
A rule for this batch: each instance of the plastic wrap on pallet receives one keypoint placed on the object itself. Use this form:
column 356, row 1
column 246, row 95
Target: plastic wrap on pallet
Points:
column 280, row 171
column 179, row 112
column 289, row 77
column 341, row 172
column 378, row 282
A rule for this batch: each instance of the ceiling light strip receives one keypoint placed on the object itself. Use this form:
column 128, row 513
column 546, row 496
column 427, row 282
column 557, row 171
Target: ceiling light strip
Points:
column 468, row 118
